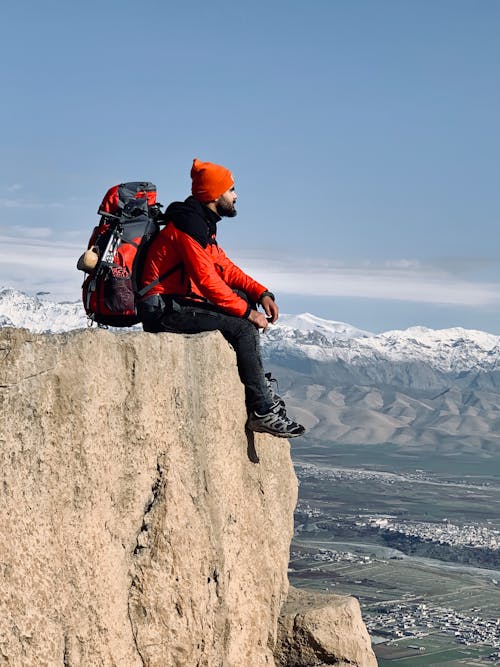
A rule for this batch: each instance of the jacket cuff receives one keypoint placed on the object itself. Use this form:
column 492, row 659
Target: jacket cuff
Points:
column 247, row 312
column 267, row 293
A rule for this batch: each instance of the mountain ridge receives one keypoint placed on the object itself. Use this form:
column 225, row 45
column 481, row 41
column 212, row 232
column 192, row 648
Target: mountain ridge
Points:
column 420, row 387
column 450, row 350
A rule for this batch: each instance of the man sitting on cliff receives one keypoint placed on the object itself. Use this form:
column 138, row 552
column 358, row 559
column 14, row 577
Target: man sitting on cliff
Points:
column 197, row 288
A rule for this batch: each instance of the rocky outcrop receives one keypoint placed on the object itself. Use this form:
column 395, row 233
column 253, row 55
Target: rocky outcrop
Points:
column 316, row 629
column 140, row 525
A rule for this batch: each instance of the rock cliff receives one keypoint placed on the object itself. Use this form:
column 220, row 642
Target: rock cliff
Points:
column 140, row 524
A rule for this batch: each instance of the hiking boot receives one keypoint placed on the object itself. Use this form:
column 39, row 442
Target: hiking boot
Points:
column 275, row 397
column 276, row 422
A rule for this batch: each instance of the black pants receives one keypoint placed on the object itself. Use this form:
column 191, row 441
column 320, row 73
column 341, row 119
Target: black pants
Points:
column 240, row 333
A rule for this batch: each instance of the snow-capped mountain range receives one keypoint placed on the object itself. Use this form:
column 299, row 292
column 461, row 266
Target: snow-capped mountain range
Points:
column 453, row 350
column 414, row 388
column 39, row 315
column 448, row 350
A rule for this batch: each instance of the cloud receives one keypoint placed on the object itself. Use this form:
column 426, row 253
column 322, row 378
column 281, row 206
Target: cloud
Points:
column 10, row 202
column 403, row 280
column 15, row 187
column 31, row 232
column 31, row 262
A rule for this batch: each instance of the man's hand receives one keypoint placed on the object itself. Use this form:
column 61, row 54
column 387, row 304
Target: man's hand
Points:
column 270, row 308
column 258, row 319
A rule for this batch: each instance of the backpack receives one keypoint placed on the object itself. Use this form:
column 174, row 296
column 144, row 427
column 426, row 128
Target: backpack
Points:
column 129, row 214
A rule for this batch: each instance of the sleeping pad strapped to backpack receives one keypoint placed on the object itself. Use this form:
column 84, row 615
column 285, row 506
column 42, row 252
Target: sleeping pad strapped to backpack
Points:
column 129, row 213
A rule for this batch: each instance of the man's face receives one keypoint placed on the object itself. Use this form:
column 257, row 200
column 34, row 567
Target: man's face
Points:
column 225, row 204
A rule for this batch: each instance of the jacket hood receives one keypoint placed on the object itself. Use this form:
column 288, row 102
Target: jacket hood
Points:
column 179, row 211
column 193, row 217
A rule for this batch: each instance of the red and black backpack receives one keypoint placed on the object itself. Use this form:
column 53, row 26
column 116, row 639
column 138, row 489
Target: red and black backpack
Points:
column 129, row 212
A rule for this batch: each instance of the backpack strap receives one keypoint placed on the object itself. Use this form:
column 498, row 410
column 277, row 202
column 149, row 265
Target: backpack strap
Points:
column 126, row 240
column 142, row 292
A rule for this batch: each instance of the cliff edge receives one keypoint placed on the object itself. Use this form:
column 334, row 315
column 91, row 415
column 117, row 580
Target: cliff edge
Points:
column 140, row 524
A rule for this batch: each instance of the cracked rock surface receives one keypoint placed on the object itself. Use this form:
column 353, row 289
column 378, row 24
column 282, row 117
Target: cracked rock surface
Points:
column 139, row 523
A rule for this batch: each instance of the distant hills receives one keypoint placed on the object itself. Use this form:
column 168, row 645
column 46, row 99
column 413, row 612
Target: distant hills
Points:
column 415, row 388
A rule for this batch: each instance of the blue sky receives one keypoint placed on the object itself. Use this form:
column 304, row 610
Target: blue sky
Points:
column 363, row 136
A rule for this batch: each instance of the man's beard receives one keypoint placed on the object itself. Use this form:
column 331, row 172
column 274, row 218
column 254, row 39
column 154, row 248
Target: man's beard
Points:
column 225, row 209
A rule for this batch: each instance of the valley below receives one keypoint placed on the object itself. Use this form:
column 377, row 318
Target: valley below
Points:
column 416, row 538
column 399, row 498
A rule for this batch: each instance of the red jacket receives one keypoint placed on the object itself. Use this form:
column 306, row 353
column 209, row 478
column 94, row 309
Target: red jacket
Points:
column 203, row 271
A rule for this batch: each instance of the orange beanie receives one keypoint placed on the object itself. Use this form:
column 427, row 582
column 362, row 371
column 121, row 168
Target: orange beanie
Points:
column 209, row 180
